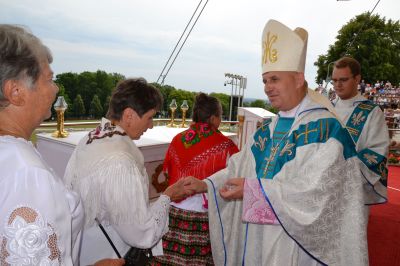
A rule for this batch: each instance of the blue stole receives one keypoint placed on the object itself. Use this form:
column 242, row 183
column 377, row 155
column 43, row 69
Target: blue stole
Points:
column 270, row 160
column 355, row 125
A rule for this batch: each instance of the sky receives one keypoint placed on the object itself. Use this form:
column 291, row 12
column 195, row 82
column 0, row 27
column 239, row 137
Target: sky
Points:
column 135, row 38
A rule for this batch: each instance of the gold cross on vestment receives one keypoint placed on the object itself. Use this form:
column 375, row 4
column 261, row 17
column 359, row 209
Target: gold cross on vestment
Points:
column 305, row 133
column 270, row 158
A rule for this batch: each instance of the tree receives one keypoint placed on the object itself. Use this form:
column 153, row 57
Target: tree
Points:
column 272, row 109
column 179, row 96
column 96, row 110
column 78, row 108
column 225, row 102
column 106, row 105
column 258, row 103
column 371, row 40
column 88, row 84
column 165, row 91
column 69, row 81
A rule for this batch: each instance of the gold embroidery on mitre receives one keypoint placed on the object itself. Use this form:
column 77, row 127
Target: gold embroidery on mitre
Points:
column 269, row 53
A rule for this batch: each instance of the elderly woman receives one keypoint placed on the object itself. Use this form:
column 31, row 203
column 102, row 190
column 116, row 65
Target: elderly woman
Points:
column 199, row 151
column 41, row 220
column 107, row 170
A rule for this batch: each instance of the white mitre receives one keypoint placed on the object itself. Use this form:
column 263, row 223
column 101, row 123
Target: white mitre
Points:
column 283, row 49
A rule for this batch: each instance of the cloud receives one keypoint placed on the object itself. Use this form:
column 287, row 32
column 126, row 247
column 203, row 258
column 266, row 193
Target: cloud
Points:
column 135, row 37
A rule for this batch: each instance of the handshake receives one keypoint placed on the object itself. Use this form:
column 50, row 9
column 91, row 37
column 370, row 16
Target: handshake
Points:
column 188, row 186
column 185, row 187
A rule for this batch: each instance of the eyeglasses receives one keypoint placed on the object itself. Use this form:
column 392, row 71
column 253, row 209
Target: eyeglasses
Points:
column 341, row 80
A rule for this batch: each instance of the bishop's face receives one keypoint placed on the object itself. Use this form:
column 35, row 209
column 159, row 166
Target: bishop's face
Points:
column 284, row 89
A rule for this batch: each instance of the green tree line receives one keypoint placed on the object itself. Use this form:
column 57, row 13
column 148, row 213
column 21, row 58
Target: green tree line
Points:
column 373, row 41
column 88, row 95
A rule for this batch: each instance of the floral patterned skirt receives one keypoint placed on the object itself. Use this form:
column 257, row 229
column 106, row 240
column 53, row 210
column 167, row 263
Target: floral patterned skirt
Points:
column 187, row 241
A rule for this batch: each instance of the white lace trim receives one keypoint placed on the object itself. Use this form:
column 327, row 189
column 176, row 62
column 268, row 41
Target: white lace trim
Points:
column 160, row 212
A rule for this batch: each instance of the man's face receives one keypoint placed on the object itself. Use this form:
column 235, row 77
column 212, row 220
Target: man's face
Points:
column 284, row 89
column 345, row 83
column 42, row 95
column 141, row 124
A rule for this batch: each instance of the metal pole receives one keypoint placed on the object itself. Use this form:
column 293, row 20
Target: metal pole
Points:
column 327, row 75
column 238, row 93
column 230, row 107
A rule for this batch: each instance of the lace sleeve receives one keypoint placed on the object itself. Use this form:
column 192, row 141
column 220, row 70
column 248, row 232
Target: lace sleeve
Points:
column 146, row 235
column 160, row 211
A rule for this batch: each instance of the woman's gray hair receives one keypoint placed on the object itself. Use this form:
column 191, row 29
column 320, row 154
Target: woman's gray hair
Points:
column 21, row 54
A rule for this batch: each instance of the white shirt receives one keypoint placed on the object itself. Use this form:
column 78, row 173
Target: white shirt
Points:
column 374, row 136
column 41, row 220
column 110, row 176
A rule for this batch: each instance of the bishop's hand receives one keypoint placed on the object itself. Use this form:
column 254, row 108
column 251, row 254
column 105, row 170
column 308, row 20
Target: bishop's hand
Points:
column 233, row 189
column 194, row 185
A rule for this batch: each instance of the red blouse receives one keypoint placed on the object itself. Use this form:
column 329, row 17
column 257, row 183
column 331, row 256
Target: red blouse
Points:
column 198, row 151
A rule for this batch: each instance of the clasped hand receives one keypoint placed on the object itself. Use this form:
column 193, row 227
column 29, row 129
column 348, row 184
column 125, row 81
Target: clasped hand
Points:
column 185, row 187
column 188, row 186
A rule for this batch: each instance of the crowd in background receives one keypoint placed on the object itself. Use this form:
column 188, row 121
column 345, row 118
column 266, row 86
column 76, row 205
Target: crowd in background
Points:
column 385, row 94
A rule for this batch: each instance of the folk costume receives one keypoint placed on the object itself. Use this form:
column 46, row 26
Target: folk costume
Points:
column 304, row 194
column 367, row 126
column 198, row 151
column 41, row 220
column 107, row 170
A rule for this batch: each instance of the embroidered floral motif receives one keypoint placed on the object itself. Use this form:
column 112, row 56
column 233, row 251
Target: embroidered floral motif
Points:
column 205, row 130
column 190, row 135
column 261, row 143
column 102, row 131
column 27, row 242
column 371, row 159
column 287, row 148
column 195, row 133
column 356, row 119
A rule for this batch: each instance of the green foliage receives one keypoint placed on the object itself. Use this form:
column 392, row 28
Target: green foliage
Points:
column 78, row 107
column 376, row 46
column 92, row 91
column 225, row 102
column 272, row 109
column 165, row 92
column 179, row 96
column 106, row 105
column 96, row 110
column 88, row 84
column 258, row 103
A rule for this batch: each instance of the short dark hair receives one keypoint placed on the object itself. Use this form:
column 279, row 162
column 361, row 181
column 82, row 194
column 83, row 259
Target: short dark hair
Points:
column 204, row 107
column 350, row 62
column 134, row 93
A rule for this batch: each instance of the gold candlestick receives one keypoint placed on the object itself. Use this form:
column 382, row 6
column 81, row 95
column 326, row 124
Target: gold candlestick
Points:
column 60, row 106
column 184, row 108
column 172, row 106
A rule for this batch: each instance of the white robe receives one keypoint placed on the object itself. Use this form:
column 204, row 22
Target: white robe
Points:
column 41, row 221
column 374, row 136
column 110, row 176
column 317, row 197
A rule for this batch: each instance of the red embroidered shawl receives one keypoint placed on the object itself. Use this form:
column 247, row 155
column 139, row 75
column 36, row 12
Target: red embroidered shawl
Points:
column 198, row 151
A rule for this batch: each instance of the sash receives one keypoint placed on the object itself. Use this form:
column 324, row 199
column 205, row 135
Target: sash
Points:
column 355, row 125
column 357, row 119
column 312, row 132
